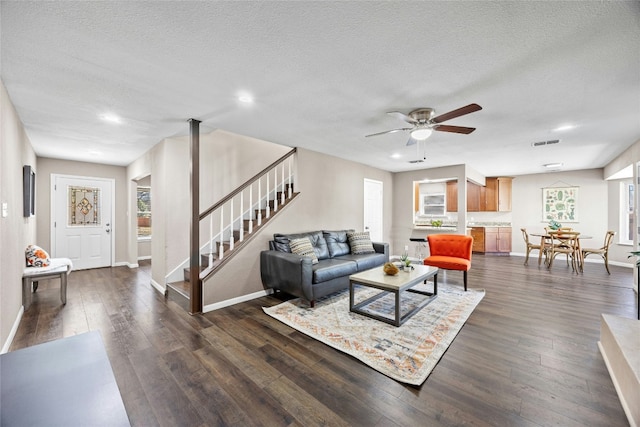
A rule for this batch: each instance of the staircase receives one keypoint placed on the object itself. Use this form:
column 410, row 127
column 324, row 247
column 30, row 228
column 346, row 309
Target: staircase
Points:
column 229, row 233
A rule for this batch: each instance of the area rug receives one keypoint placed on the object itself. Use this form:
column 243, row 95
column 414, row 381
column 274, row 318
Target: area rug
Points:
column 407, row 353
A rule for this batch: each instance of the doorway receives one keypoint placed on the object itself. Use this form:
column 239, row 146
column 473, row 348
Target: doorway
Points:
column 81, row 220
column 373, row 209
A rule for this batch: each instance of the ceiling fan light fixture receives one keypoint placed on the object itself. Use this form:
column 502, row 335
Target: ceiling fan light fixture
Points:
column 421, row 134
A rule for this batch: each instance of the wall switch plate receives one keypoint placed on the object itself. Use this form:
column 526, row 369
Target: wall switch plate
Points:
column 5, row 209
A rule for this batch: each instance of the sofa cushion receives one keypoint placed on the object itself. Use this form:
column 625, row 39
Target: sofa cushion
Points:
column 360, row 243
column 303, row 247
column 365, row 261
column 281, row 242
column 332, row 268
column 337, row 242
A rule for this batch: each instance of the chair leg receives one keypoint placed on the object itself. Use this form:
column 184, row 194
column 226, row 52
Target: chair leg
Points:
column 465, row 281
column 526, row 260
column 606, row 263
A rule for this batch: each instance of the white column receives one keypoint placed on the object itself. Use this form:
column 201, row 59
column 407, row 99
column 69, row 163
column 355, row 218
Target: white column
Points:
column 221, row 251
column 259, row 196
column 211, row 239
column 282, row 186
column 275, row 189
column 267, row 207
column 241, row 215
column 289, row 178
column 231, row 238
column 251, row 208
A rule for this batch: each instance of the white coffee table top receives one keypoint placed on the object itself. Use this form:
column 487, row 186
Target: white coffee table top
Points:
column 376, row 276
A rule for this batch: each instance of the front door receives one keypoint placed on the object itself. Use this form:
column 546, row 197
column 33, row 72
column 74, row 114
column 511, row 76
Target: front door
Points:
column 81, row 226
column 373, row 209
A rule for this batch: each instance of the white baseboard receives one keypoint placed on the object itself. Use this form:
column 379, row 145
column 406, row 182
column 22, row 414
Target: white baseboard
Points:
column 120, row 264
column 589, row 260
column 144, row 258
column 232, row 301
column 14, row 330
column 158, row 286
column 131, row 265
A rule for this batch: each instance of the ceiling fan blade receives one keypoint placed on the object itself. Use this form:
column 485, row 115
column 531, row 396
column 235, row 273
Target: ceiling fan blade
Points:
column 471, row 108
column 454, row 129
column 388, row 131
column 403, row 117
column 411, row 141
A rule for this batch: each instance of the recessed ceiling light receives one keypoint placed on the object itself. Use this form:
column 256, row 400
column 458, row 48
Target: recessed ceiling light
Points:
column 564, row 127
column 396, row 155
column 553, row 165
column 245, row 98
column 111, row 118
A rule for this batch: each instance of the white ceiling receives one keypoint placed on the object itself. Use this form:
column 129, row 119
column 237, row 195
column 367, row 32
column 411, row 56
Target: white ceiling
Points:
column 324, row 74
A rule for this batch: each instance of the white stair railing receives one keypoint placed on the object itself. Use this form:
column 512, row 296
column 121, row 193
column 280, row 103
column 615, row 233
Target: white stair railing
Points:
column 274, row 184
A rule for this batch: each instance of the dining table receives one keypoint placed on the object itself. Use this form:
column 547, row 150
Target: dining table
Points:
column 545, row 236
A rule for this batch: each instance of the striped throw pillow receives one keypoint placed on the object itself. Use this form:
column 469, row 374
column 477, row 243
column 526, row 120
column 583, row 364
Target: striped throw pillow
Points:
column 303, row 247
column 360, row 243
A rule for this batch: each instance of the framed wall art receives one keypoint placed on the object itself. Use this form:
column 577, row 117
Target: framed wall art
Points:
column 560, row 204
column 28, row 191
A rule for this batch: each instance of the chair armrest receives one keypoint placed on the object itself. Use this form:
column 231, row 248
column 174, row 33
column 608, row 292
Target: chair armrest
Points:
column 287, row 272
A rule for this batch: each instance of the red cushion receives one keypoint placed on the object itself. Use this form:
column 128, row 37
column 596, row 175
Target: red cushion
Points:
column 448, row 263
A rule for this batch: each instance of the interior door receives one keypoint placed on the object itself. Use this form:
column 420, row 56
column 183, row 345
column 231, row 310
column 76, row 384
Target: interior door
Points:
column 81, row 226
column 373, row 209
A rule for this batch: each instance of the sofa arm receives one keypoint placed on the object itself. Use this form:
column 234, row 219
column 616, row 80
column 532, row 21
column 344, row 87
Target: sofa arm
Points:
column 381, row 248
column 287, row 272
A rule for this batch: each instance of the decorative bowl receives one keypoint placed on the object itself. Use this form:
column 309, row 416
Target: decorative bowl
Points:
column 390, row 269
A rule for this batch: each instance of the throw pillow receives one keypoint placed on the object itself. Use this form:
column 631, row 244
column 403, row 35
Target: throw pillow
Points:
column 360, row 243
column 303, row 247
column 37, row 257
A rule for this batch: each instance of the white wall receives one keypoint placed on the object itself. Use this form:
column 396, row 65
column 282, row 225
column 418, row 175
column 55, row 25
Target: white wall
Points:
column 16, row 231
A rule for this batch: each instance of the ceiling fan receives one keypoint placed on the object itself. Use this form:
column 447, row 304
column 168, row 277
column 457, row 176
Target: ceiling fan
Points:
column 423, row 122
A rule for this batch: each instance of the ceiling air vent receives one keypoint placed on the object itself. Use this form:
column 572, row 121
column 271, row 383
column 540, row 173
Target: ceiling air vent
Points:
column 416, row 161
column 541, row 143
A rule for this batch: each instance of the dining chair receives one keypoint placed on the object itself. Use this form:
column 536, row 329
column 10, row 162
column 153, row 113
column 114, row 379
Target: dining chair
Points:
column 534, row 247
column 568, row 243
column 602, row 251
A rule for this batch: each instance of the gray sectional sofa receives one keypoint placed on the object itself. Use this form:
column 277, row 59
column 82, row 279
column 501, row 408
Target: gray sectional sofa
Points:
column 285, row 271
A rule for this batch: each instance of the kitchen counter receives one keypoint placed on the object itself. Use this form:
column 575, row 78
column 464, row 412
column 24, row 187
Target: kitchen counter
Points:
column 419, row 234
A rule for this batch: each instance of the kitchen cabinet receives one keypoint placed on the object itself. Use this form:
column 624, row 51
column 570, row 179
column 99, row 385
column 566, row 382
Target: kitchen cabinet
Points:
column 494, row 197
column 478, row 239
column 473, row 197
column 498, row 194
column 497, row 240
column 452, row 196
column 491, row 240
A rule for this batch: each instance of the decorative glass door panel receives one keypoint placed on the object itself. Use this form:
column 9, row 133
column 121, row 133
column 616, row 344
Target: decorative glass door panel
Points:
column 84, row 206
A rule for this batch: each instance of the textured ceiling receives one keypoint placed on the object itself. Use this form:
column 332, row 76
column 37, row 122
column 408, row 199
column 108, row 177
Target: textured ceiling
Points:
column 324, row 74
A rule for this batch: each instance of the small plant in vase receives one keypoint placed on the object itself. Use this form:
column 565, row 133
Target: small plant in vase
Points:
column 406, row 262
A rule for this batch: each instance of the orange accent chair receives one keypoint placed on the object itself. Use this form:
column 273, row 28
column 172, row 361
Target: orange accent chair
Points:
column 450, row 252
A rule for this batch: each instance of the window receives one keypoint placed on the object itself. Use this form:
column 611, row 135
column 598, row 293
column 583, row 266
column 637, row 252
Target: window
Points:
column 433, row 204
column 626, row 212
column 144, row 212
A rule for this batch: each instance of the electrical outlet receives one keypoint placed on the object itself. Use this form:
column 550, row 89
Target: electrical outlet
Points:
column 5, row 209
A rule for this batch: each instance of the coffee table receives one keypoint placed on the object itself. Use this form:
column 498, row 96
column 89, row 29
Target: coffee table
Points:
column 403, row 281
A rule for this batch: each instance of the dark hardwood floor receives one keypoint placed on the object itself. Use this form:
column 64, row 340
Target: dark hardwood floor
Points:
column 527, row 356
